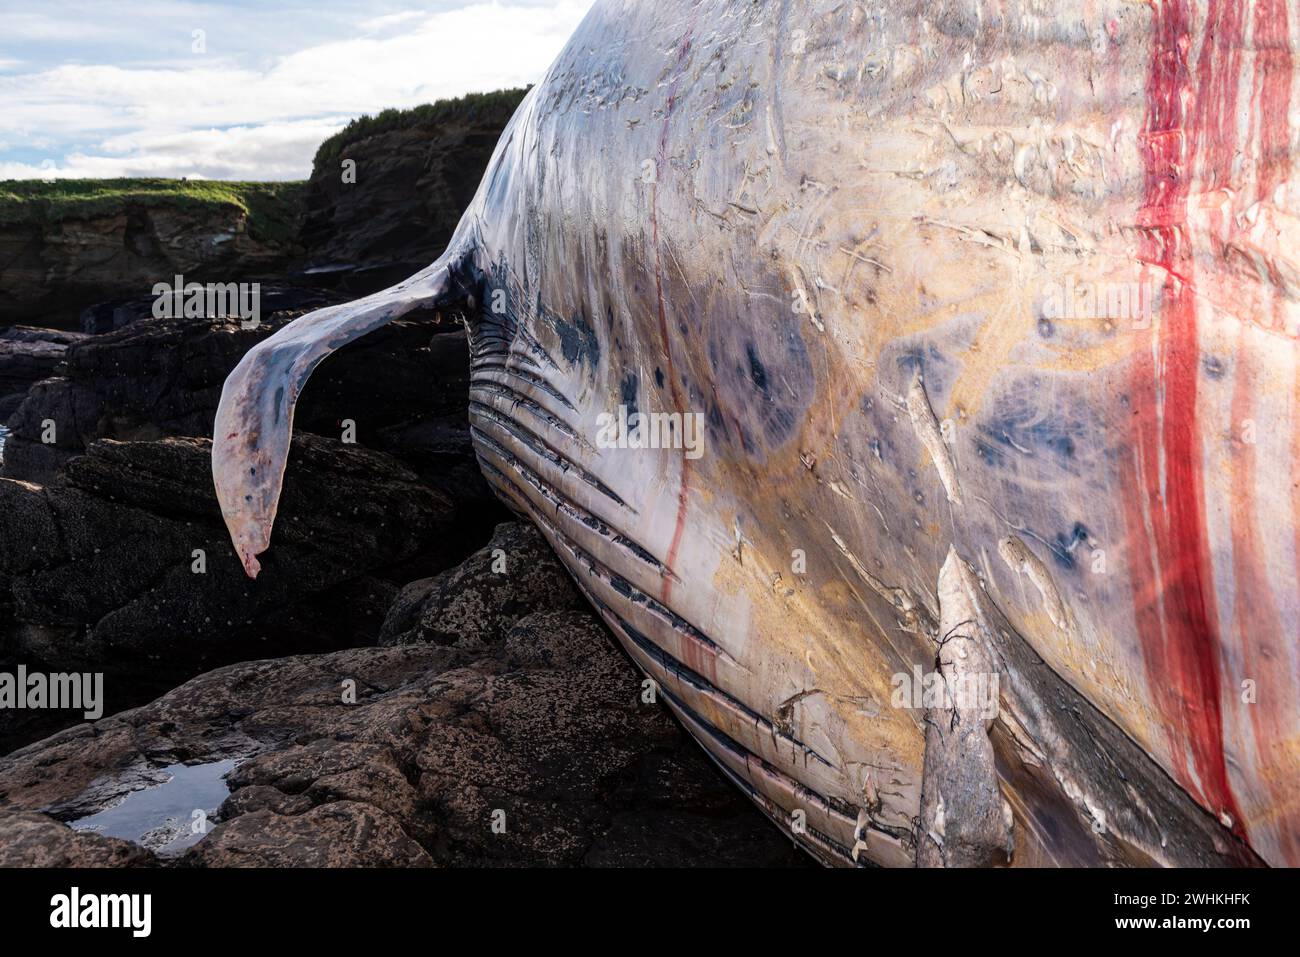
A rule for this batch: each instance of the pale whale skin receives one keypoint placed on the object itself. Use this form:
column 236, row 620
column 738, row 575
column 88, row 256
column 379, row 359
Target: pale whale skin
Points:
column 990, row 314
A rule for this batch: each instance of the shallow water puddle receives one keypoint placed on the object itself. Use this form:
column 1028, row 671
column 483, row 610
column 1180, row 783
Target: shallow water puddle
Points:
column 169, row 817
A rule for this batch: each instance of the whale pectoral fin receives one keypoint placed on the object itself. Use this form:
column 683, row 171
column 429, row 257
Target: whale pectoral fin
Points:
column 254, row 422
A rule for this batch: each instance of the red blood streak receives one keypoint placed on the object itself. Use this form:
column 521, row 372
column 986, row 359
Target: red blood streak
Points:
column 1274, row 71
column 1188, row 119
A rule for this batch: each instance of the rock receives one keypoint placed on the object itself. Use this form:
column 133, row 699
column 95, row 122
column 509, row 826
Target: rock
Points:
column 55, row 262
column 102, row 317
column 475, row 603
column 537, row 724
column 336, row 834
column 413, row 181
column 35, row 840
column 27, row 355
column 112, row 314
column 97, row 572
column 405, row 388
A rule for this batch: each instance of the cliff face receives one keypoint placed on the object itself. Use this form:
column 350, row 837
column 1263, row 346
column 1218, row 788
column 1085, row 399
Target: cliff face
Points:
column 415, row 172
column 98, row 240
column 71, row 245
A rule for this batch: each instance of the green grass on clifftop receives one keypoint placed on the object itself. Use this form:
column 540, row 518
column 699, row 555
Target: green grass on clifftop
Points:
column 273, row 209
column 496, row 107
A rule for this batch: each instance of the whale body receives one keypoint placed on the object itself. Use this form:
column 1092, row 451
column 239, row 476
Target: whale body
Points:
column 962, row 523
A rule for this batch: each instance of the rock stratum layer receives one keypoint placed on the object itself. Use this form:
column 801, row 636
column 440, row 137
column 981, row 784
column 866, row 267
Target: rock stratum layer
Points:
column 59, row 255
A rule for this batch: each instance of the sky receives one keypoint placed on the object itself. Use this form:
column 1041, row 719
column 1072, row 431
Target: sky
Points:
column 99, row 88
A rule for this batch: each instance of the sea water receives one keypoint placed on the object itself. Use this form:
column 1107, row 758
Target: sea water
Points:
column 169, row 817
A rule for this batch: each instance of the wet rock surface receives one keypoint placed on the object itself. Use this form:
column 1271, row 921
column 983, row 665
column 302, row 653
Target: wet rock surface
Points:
column 408, row 756
column 28, row 355
column 124, row 566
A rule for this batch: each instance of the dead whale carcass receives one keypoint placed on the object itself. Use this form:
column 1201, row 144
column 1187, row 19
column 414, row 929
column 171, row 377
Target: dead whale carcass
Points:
column 989, row 548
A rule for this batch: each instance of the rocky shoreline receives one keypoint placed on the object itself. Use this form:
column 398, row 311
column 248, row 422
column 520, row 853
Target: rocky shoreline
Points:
column 412, row 680
column 497, row 725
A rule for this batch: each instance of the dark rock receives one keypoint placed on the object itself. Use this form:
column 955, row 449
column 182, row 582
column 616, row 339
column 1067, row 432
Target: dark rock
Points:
column 475, row 603
column 97, row 573
column 35, row 840
column 412, row 186
column 28, row 355
column 113, row 314
column 539, row 726
column 335, row 834
column 51, row 268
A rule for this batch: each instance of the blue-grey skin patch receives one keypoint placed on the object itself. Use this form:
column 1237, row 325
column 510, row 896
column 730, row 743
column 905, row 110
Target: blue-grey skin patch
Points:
column 879, row 429
column 989, row 455
column 763, row 386
column 494, row 325
column 579, row 343
column 718, row 431
column 1064, row 546
column 935, row 368
column 756, row 371
column 1025, row 422
column 628, row 391
column 1028, row 437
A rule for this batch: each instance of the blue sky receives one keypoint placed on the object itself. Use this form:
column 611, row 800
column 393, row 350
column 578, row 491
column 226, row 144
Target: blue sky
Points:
column 117, row 88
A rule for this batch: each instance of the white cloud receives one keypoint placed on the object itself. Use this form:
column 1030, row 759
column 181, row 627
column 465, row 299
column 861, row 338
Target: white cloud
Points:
column 214, row 116
column 270, row 151
column 392, row 20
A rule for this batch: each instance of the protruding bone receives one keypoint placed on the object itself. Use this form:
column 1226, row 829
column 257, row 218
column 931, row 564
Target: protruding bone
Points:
column 965, row 822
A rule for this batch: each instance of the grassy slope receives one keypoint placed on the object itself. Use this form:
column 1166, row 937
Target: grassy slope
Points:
column 272, row 208
column 499, row 106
